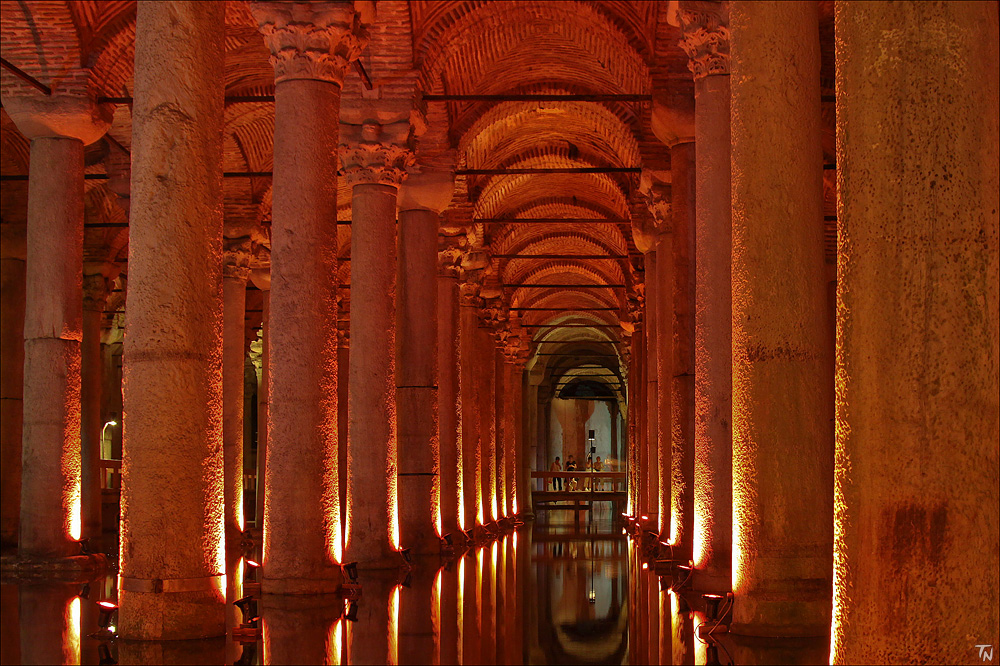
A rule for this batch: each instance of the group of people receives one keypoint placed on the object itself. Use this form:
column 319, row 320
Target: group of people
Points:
column 573, row 483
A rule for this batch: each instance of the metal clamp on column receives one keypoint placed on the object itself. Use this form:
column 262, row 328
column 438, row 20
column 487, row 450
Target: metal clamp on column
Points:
column 171, row 585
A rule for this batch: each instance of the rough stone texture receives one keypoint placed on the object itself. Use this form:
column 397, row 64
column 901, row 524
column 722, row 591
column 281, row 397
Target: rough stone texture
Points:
column 917, row 318
column 664, row 293
column 712, row 539
column 263, row 392
column 449, row 404
column 682, row 188
column 782, row 361
column 53, row 322
column 650, row 468
column 95, row 298
column 172, row 495
column 302, row 511
column 486, row 376
column 234, row 292
column 468, row 325
column 372, row 457
column 416, row 379
column 12, row 291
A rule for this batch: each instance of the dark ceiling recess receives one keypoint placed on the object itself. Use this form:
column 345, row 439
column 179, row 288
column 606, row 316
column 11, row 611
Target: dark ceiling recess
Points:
column 587, row 390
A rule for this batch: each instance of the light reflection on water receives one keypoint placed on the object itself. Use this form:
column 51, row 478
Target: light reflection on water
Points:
column 557, row 591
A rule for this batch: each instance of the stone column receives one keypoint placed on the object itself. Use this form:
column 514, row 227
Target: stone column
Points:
column 374, row 164
column 651, row 470
column 421, row 200
column 262, row 280
column 96, row 287
column 468, row 331
column 235, row 273
column 449, row 396
column 343, row 413
column 782, row 361
column 311, row 47
column 706, row 42
column 173, row 544
column 917, row 335
column 59, row 127
column 12, row 283
column 484, row 370
column 500, row 387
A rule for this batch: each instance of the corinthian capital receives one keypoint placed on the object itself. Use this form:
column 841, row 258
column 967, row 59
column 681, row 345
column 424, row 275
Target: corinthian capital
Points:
column 311, row 40
column 236, row 255
column 706, row 38
column 376, row 154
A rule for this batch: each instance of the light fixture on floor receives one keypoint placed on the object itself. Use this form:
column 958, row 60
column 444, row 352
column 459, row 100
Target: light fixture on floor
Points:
column 84, row 545
column 351, row 588
column 250, row 571
column 248, row 607
column 405, row 554
column 106, row 609
column 352, row 612
column 351, row 569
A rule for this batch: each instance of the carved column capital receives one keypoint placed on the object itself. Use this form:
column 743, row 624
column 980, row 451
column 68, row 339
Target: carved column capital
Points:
column 376, row 154
column 96, row 289
column 468, row 290
column 450, row 252
column 236, row 256
column 706, row 38
column 344, row 337
column 315, row 41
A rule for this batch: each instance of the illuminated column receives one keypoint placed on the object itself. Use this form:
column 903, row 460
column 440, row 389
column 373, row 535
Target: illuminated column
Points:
column 915, row 555
column 486, row 375
column 262, row 280
column 58, row 127
column 661, row 294
column 343, row 413
column 706, row 42
column 421, row 199
column 311, row 45
column 96, row 287
column 651, row 469
column 449, row 396
column 782, row 360
column 468, row 332
column 374, row 164
column 682, row 157
column 12, row 280
column 235, row 273
column 172, row 559
column 500, row 433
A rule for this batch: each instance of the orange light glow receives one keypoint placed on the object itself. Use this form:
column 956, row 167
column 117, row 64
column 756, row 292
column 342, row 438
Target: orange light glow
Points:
column 336, row 643
column 514, row 506
column 75, row 519
column 495, row 508
column 700, row 648
column 73, row 631
column 461, row 505
column 436, row 615
column 394, row 626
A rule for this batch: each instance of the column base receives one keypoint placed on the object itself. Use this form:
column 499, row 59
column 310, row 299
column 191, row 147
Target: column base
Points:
column 169, row 616
column 708, row 581
column 208, row 651
column 70, row 569
column 298, row 586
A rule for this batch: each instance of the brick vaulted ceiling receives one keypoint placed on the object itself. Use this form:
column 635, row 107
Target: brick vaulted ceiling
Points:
column 453, row 47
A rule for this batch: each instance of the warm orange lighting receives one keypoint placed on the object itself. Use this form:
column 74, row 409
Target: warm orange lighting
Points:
column 495, row 507
column 336, row 643
column 75, row 511
column 645, row 565
column 700, row 648
column 73, row 631
column 513, row 503
column 394, row 626
column 436, row 615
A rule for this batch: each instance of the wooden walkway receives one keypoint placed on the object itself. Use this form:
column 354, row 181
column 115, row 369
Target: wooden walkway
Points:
column 578, row 500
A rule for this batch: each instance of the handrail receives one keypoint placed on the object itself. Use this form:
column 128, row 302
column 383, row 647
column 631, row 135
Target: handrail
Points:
column 577, row 475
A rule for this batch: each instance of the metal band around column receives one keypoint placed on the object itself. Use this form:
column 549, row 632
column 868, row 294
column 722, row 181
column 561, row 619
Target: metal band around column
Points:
column 171, row 585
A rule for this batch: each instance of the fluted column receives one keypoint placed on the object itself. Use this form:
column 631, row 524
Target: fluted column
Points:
column 374, row 158
column 448, row 381
column 172, row 545
column 235, row 273
column 918, row 344
column 96, row 287
column 706, row 42
column 782, row 360
column 421, row 200
column 59, row 127
column 12, row 305
column 311, row 47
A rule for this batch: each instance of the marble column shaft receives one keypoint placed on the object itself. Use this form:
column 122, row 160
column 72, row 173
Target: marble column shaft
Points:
column 95, row 298
column 234, row 290
column 782, row 360
column 416, row 379
column 918, row 342
column 12, row 306
column 664, row 295
column 172, row 544
column 706, row 41
column 449, row 401
column 651, row 470
column 468, row 325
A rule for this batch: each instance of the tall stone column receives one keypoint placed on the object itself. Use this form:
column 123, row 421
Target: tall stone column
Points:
column 485, row 374
column 706, row 42
column 782, row 360
column 468, row 332
column 917, row 334
column 173, row 544
column 96, row 287
column 59, row 127
column 311, row 47
column 235, row 273
column 343, row 413
column 374, row 164
column 448, row 381
column 500, row 457
column 651, row 470
column 262, row 280
column 682, row 187
column 421, row 199
column 12, row 285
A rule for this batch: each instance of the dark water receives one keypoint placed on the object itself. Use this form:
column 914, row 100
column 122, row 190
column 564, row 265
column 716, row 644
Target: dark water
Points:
column 552, row 592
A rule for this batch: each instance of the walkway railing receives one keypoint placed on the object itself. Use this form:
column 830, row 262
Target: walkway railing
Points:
column 584, row 481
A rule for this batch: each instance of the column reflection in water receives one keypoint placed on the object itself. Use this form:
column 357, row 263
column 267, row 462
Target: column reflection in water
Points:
column 417, row 612
column 373, row 635
column 298, row 629
column 470, row 608
column 49, row 617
